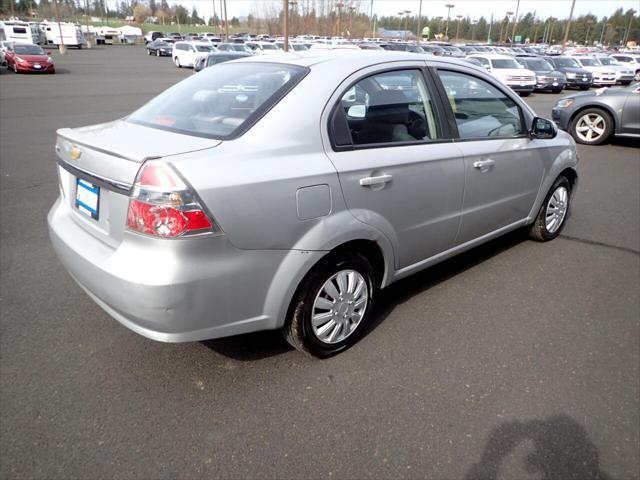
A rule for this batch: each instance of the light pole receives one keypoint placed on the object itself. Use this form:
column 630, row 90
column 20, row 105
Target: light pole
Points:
column 285, row 27
column 626, row 37
column 605, row 28
column 400, row 14
column 515, row 22
column 292, row 18
column 61, row 47
column 566, row 30
column 351, row 9
column 535, row 32
column 339, row 6
column 459, row 17
column 419, row 28
column 406, row 19
column 586, row 37
column 473, row 29
column 446, row 30
column 439, row 20
column 506, row 30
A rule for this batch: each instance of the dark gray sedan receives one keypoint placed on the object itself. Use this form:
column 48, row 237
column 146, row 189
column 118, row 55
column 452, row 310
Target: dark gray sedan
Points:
column 159, row 48
column 594, row 117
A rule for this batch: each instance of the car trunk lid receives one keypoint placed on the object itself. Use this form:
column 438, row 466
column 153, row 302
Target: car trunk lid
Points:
column 97, row 166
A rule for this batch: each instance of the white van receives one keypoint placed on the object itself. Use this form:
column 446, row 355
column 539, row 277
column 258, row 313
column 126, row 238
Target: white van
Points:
column 17, row 31
column 71, row 34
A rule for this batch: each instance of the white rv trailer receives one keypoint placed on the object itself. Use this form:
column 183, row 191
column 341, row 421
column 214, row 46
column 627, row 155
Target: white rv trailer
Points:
column 18, row 31
column 71, row 33
column 106, row 35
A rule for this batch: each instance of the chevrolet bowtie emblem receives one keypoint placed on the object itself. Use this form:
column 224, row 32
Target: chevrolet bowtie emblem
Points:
column 75, row 153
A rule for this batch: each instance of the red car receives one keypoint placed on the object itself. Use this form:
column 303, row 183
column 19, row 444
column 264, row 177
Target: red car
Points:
column 28, row 58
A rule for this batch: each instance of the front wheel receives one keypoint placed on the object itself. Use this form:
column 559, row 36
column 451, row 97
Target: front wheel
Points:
column 15, row 68
column 157, row 53
column 591, row 127
column 176, row 60
column 553, row 213
column 148, row 52
column 585, row 87
column 332, row 305
column 525, row 94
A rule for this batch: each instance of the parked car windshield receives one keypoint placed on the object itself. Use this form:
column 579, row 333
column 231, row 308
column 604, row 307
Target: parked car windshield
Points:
column 590, row 62
column 537, row 65
column 505, row 63
column 29, row 50
column 219, row 101
column 566, row 62
column 609, row 61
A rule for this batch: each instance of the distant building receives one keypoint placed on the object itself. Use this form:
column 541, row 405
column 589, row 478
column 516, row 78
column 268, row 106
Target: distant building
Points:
column 153, row 20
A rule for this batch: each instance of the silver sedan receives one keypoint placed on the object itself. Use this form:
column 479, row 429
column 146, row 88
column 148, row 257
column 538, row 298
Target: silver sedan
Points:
column 284, row 192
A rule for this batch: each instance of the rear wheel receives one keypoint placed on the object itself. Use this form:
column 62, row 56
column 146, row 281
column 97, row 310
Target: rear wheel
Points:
column 525, row 94
column 332, row 305
column 585, row 87
column 636, row 77
column 553, row 212
column 591, row 127
column 148, row 52
column 176, row 60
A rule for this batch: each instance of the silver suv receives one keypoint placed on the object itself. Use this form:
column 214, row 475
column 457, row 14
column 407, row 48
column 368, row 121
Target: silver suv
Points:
column 284, row 192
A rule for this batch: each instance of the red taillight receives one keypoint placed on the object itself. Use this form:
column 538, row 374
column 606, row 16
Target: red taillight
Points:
column 163, row 205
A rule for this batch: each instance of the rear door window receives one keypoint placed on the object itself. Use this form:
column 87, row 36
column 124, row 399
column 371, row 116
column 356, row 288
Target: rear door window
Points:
column 390, row 107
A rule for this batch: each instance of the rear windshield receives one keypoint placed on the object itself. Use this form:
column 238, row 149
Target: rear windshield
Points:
column 220, row 102
column 203, row 48
column 29, row 50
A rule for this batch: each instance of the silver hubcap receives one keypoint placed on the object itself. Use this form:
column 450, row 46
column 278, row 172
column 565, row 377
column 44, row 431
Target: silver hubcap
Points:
column 339, row 306
column 557, row 209
column 590, row 127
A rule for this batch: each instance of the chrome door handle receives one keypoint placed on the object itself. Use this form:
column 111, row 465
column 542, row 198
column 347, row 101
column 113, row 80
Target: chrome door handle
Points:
column 484, row 165
column 368, row 181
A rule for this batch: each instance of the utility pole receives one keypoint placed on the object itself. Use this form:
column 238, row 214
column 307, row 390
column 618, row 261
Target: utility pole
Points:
column 419, row 29
column 506, row 30
column 371, row 19
column 226, row 20
column 515, row 22
column 473, row 30
column 351, row 9
column 446, row 30
column 566, row 30
column 86, row 21
column 339, row 6
column 406, row 19
column 285, row 18
column 213, row 18
column 61, row 47
column 535, row 32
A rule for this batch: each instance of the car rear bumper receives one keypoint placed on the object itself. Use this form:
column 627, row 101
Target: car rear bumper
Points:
column 177, row 290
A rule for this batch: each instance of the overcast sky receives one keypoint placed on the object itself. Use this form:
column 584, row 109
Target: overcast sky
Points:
column 431, row 8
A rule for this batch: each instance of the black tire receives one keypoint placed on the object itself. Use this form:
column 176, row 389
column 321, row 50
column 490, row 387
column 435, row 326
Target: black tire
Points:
column 557, row 90
column 157, row 53
column 585, row 87
column 538, row 230
column 601, row 138
column 176, row 61
column 149, row 52
column 626, row 82
column 15, row 68
column 298, row 329
column 524, row 94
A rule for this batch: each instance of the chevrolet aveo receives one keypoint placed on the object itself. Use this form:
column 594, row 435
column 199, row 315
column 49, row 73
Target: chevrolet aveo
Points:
column 284, row 192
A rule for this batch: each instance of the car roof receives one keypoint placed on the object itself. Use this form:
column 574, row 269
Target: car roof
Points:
column 491, row 56
column 351, row 59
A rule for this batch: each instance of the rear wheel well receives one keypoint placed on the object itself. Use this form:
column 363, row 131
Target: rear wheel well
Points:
column 371, row 251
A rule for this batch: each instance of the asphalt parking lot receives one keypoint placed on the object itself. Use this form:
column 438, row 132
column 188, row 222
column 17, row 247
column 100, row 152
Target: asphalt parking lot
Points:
column 515, row 360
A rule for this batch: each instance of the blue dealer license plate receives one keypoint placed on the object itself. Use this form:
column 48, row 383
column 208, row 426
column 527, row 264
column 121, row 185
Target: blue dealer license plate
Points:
column 87, row 198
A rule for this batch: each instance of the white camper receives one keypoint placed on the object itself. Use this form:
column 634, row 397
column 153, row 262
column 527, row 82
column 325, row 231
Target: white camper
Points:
column 17, row 31
column 106, row 35
column 71, row 34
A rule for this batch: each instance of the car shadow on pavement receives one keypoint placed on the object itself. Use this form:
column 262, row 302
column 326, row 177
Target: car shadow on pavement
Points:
column 626, row 142
column 259, row 345
column 559, row 449
column 405, row 289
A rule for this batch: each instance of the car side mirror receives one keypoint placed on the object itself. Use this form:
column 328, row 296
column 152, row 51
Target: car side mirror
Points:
column 543, row 129
column 357, row 111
